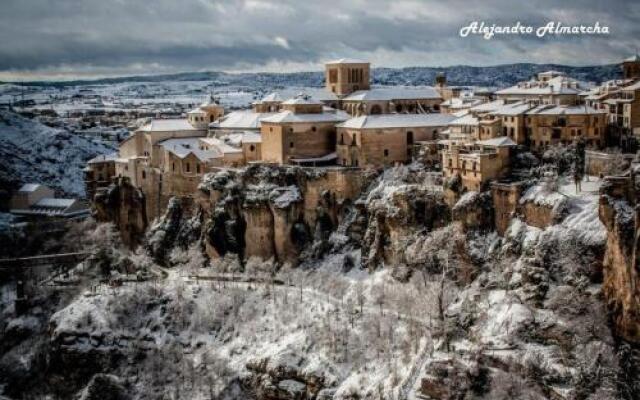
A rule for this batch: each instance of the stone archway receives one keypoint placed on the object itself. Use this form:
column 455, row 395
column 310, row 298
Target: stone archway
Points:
column 375, row 109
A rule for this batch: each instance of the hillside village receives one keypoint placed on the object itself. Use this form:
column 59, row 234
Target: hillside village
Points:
column 349, row 242
column 471, row 137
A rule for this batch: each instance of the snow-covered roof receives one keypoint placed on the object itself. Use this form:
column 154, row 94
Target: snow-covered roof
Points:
column 467, row 119
column 557, row 85
column 347, row 61
column 196, row 111
column 302, row 99
column 103, row 158
column 30, row 187
column 272, row 97
column 487, row 107
column 548, row 109
column 238, row 138
column 244, row 119
column 512, row 109
column 394, row 93
column 55, row 203
column 502, row 141
column 288, row 116
column 220, row 145
column 397, row 121
column 167, row 125
column 182, row 147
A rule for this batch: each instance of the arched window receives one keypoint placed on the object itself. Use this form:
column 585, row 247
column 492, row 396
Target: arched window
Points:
column 410, row 137
column 398, row 107
column 342, row 138
column 252, row 148
column 188, row 167
column 173, row 166
column 144, row 174
column 376, row 109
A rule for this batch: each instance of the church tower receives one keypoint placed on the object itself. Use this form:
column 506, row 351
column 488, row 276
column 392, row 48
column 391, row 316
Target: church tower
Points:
column 345, row 76
column 631, row 67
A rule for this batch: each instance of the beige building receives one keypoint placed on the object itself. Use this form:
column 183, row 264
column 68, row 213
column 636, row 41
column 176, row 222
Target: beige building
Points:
column 302, row 133
column 29, row 194
column 550, row 125
column 382, row 140
column 35, row 202
column 478, row 163
column 345, row 76
column 550, row 87
column 631, row 67
column 389, row 100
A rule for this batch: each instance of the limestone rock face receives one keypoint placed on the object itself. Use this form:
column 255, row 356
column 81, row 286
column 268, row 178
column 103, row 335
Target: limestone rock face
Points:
column 125, row 206
column 394, row 214
column 289, row 376
column 274, row 212
column 619, row 213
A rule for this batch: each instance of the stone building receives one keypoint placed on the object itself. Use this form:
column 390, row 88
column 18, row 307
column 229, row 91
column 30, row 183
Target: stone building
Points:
column 550, row 87
column 381, row 140
column 399, row 99
column 99, row 173
column 478, row 163
column 550, row 125
column 631, row 67
column 303, row 133
column 205, row 114
column 36, row 202
column 345, row 76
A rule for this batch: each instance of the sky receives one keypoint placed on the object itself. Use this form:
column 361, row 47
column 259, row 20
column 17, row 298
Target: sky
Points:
column 69, row 39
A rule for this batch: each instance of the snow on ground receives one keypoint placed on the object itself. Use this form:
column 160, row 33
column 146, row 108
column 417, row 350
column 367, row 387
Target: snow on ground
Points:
column 240, row 323
column 34, row 153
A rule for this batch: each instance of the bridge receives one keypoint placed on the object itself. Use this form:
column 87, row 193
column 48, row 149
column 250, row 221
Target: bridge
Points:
column 45, row 259
column 22, row 270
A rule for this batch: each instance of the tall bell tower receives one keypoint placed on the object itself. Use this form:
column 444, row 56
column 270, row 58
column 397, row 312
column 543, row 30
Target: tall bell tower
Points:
column 631, row 67
column 345, row 76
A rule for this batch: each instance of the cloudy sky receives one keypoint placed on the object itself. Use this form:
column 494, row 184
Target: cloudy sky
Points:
column 87, row 38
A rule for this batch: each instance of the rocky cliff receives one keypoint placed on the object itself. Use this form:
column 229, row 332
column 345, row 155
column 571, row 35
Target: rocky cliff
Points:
column 619, row 213
column 124, row 205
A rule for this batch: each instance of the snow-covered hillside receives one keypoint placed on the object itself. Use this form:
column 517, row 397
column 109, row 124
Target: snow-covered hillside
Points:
column 32, row 152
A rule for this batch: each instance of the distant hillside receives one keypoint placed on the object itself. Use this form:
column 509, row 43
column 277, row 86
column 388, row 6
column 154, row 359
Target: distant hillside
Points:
column 499, row 75
column 32, row 152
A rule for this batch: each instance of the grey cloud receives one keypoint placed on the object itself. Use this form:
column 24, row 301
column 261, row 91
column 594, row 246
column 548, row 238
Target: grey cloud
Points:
column 45, row 35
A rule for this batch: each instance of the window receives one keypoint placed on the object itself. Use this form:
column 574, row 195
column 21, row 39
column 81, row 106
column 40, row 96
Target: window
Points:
column 409, row 137
column 144, row 175
column 342, row 138
column 173, row 166
column 313, row 129
column 291, row 145
column 252, row 148
column 271, row 129
column 197, row 168
column 188, row 167
column 386, row 152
